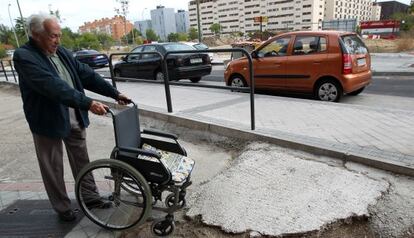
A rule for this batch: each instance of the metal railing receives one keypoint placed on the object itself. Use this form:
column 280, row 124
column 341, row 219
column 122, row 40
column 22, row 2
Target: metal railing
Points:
column 167, row 83
column 5, row 71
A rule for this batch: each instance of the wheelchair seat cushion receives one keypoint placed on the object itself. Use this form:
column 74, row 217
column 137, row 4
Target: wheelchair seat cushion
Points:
column 179, row 166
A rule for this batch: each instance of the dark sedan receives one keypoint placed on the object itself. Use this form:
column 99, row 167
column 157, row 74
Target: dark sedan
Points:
column 92, row 58
column 191, row 66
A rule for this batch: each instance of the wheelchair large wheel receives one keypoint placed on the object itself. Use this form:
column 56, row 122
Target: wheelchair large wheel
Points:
column 101, row 194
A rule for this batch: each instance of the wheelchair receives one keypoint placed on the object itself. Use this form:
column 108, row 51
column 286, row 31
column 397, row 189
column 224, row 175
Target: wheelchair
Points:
column 142, row 166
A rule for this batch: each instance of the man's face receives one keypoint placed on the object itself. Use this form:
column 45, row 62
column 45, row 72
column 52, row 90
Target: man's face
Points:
column 49, row 40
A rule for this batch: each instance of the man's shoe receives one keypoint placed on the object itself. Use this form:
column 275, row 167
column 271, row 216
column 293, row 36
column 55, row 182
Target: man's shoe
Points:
column 99, row 203
column 67, row 216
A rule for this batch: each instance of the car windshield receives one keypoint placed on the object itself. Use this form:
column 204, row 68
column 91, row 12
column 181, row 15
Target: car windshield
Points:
column 200, row 46
column 177, row 47
column 354, row 44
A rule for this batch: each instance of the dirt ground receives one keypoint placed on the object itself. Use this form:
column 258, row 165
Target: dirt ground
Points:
column 391, row 217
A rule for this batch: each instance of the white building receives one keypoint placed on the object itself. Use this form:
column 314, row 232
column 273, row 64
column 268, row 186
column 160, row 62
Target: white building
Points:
column 282, row 15
column 143, row 26
column 163, row 21
column 376, row 12
column 361, row 10
column 182, row 21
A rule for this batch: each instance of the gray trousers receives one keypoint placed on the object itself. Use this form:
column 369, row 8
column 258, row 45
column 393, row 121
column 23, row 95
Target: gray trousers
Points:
column 49, row 153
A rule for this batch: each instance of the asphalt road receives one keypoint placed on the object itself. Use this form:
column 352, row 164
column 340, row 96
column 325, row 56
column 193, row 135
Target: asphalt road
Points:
column 402, row 86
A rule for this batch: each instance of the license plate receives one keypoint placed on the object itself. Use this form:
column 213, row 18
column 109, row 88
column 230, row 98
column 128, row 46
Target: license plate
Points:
column 196, row 60
column 362, row 62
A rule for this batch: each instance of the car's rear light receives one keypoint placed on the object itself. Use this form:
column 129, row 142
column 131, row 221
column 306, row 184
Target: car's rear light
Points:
column 347, row 61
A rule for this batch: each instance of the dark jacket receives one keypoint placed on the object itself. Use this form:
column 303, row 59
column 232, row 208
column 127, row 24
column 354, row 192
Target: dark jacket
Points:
column 46, row 97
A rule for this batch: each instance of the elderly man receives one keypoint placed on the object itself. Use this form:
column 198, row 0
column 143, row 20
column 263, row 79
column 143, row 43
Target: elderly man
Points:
column 52, row 86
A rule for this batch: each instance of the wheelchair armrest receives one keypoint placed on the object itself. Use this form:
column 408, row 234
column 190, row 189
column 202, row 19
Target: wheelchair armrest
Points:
column 139, row 151
column 159, row 133
column 174, row 147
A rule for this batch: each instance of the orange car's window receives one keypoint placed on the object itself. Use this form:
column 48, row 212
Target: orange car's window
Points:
column 354, row 44
column 278, row 47
column 305, row 45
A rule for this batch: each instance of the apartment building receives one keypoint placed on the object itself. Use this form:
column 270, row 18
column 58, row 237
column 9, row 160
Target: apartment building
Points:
column 116, row 27
column 389, row 8
column 163, row 21
column 143, row 26
column 182, row 22
column 238, row 15
column 361, row 10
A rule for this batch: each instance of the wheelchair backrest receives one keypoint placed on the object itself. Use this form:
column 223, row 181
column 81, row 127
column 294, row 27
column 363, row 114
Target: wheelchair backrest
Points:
column 126, row 128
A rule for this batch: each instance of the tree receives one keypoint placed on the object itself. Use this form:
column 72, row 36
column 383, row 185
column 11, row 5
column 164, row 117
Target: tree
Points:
column 88, row 41
column 215, row 28
column 68, row 38
column 172, row 37
column 129, row 38
column 182, row 36
column 105, row 40
column 407, row 18
column 6, row 35
column 193, row 33
column 151, row 35
column 2, row 51
column 56, row 14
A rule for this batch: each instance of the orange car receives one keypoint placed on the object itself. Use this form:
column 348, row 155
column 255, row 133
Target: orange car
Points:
column 327, row 64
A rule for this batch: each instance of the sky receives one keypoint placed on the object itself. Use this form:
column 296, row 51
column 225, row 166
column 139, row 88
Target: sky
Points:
column 75, row 13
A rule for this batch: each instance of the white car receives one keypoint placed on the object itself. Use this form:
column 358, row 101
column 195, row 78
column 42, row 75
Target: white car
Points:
column 199, row 46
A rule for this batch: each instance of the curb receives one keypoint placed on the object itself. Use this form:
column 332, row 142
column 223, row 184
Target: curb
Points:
column 392, row 73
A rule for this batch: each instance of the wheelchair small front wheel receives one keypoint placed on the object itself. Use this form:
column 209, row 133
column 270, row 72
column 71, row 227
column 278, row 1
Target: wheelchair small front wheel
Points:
column 162, row 227
column 102, row 194
column 170, row 199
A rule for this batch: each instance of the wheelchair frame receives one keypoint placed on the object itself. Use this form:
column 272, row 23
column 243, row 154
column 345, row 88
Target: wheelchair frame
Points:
column 133, row 177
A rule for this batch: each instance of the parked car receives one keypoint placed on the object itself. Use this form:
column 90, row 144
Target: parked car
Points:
column 191, row 66
column 92, row 58
column 327, row 64
column 199, row 46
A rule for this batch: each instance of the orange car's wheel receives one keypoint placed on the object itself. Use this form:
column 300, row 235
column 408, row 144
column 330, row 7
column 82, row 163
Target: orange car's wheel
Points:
column 238, row 81
column 328, row 90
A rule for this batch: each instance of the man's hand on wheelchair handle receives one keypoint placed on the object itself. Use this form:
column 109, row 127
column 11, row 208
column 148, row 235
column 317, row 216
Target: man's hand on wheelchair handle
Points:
column 123, row 100
column 98, row 108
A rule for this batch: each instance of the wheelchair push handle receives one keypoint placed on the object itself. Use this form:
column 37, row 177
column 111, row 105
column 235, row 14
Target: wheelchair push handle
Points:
column 129, row 101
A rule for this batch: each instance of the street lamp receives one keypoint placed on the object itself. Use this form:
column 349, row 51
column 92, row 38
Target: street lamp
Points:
column 12, row 26
column 21, row 17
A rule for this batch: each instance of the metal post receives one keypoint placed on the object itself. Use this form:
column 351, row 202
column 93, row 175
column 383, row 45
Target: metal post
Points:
column 12, row 26
column 167, row 84
column 198, row 21
column 4, row 70
column 21, row 17
column 12, row 69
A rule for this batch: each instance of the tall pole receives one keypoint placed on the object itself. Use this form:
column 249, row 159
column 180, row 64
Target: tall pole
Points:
column 21, row 16
column 12, row 26
column 198, row 21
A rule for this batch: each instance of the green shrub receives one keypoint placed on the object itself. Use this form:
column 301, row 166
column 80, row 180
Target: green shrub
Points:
column 2, row 51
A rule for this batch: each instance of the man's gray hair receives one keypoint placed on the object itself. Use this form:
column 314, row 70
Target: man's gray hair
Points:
column 35, row 22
